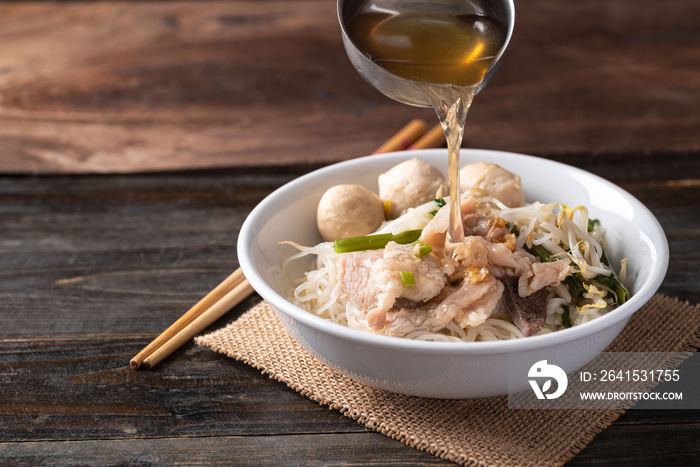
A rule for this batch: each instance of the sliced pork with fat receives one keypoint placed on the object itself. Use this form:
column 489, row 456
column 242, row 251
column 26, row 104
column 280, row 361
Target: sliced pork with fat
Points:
column 372, row 280
column 465, row 287
column 469, row 304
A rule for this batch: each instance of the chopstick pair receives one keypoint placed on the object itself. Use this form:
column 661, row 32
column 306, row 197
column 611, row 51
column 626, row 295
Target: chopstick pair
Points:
column 232, row 291
column 235, row 288
column 413, row 136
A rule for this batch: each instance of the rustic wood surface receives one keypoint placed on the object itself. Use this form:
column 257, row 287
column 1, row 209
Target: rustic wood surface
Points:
column 136, row 137
column 134, row 86
column 93, row 267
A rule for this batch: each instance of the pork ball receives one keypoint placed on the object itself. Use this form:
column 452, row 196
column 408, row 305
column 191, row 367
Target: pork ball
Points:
column 494, row 180
column 410, row 184
column 348, row 211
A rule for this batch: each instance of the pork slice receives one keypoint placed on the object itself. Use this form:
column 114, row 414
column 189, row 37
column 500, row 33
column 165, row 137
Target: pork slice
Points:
column 473, row 252
column 540, row 275
column 476, row 302
column 469, row 304
column 529, row 313
column 478, row 252
column 373, row 283
column 435, row 231
column 403, row 321
column 533, row 274
column 426, row 271
column 354, row 278
column 501, row 256
column 489, row 226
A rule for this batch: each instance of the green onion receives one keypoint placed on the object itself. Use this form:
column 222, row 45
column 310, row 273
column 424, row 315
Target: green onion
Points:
column 374, row 242
column 407, row 278
column 440, row 203
column 565, row 317
column 424, row 249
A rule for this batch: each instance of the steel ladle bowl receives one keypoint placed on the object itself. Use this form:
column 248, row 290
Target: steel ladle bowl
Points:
column 401, row 89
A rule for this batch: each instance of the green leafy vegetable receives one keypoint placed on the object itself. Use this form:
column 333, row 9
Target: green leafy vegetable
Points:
column 565, row 317
column 574, row 282
column 622, row 293
column 540, row 252
column 592, row 224
column 605, row 280
column 611, row 282
column 620, row 290
column 374, row 242
column 440, row 202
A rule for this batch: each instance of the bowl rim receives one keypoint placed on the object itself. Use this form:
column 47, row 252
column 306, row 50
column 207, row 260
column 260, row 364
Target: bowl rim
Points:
column 280, row 304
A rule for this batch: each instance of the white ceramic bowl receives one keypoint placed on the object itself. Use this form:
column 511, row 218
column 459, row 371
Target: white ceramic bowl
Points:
column 452, row 370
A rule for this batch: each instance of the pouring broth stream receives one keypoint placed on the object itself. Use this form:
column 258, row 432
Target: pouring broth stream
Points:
column 446, row 51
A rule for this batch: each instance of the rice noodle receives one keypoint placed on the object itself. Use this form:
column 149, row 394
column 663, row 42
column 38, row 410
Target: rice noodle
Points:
column 556, row 227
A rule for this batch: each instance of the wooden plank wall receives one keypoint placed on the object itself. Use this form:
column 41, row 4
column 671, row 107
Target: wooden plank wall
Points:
column 132, row 86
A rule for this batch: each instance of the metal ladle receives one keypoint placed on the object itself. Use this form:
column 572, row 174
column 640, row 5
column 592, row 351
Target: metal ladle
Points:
column 401, row 89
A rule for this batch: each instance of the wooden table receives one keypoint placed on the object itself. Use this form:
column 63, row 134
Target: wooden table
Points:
column 135, row 138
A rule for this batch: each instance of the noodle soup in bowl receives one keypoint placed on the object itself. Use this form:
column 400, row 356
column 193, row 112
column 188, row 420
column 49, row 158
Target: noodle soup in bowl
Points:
column 450, row 369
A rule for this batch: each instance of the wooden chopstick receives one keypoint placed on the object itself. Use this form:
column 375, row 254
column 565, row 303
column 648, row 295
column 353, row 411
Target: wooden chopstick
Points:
column 217, row 310
column 404, row 137
column 235, row 288
column 432, row 139
column 219, row 292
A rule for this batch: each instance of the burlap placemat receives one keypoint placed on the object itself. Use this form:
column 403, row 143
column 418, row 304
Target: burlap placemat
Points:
column 469, row 432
